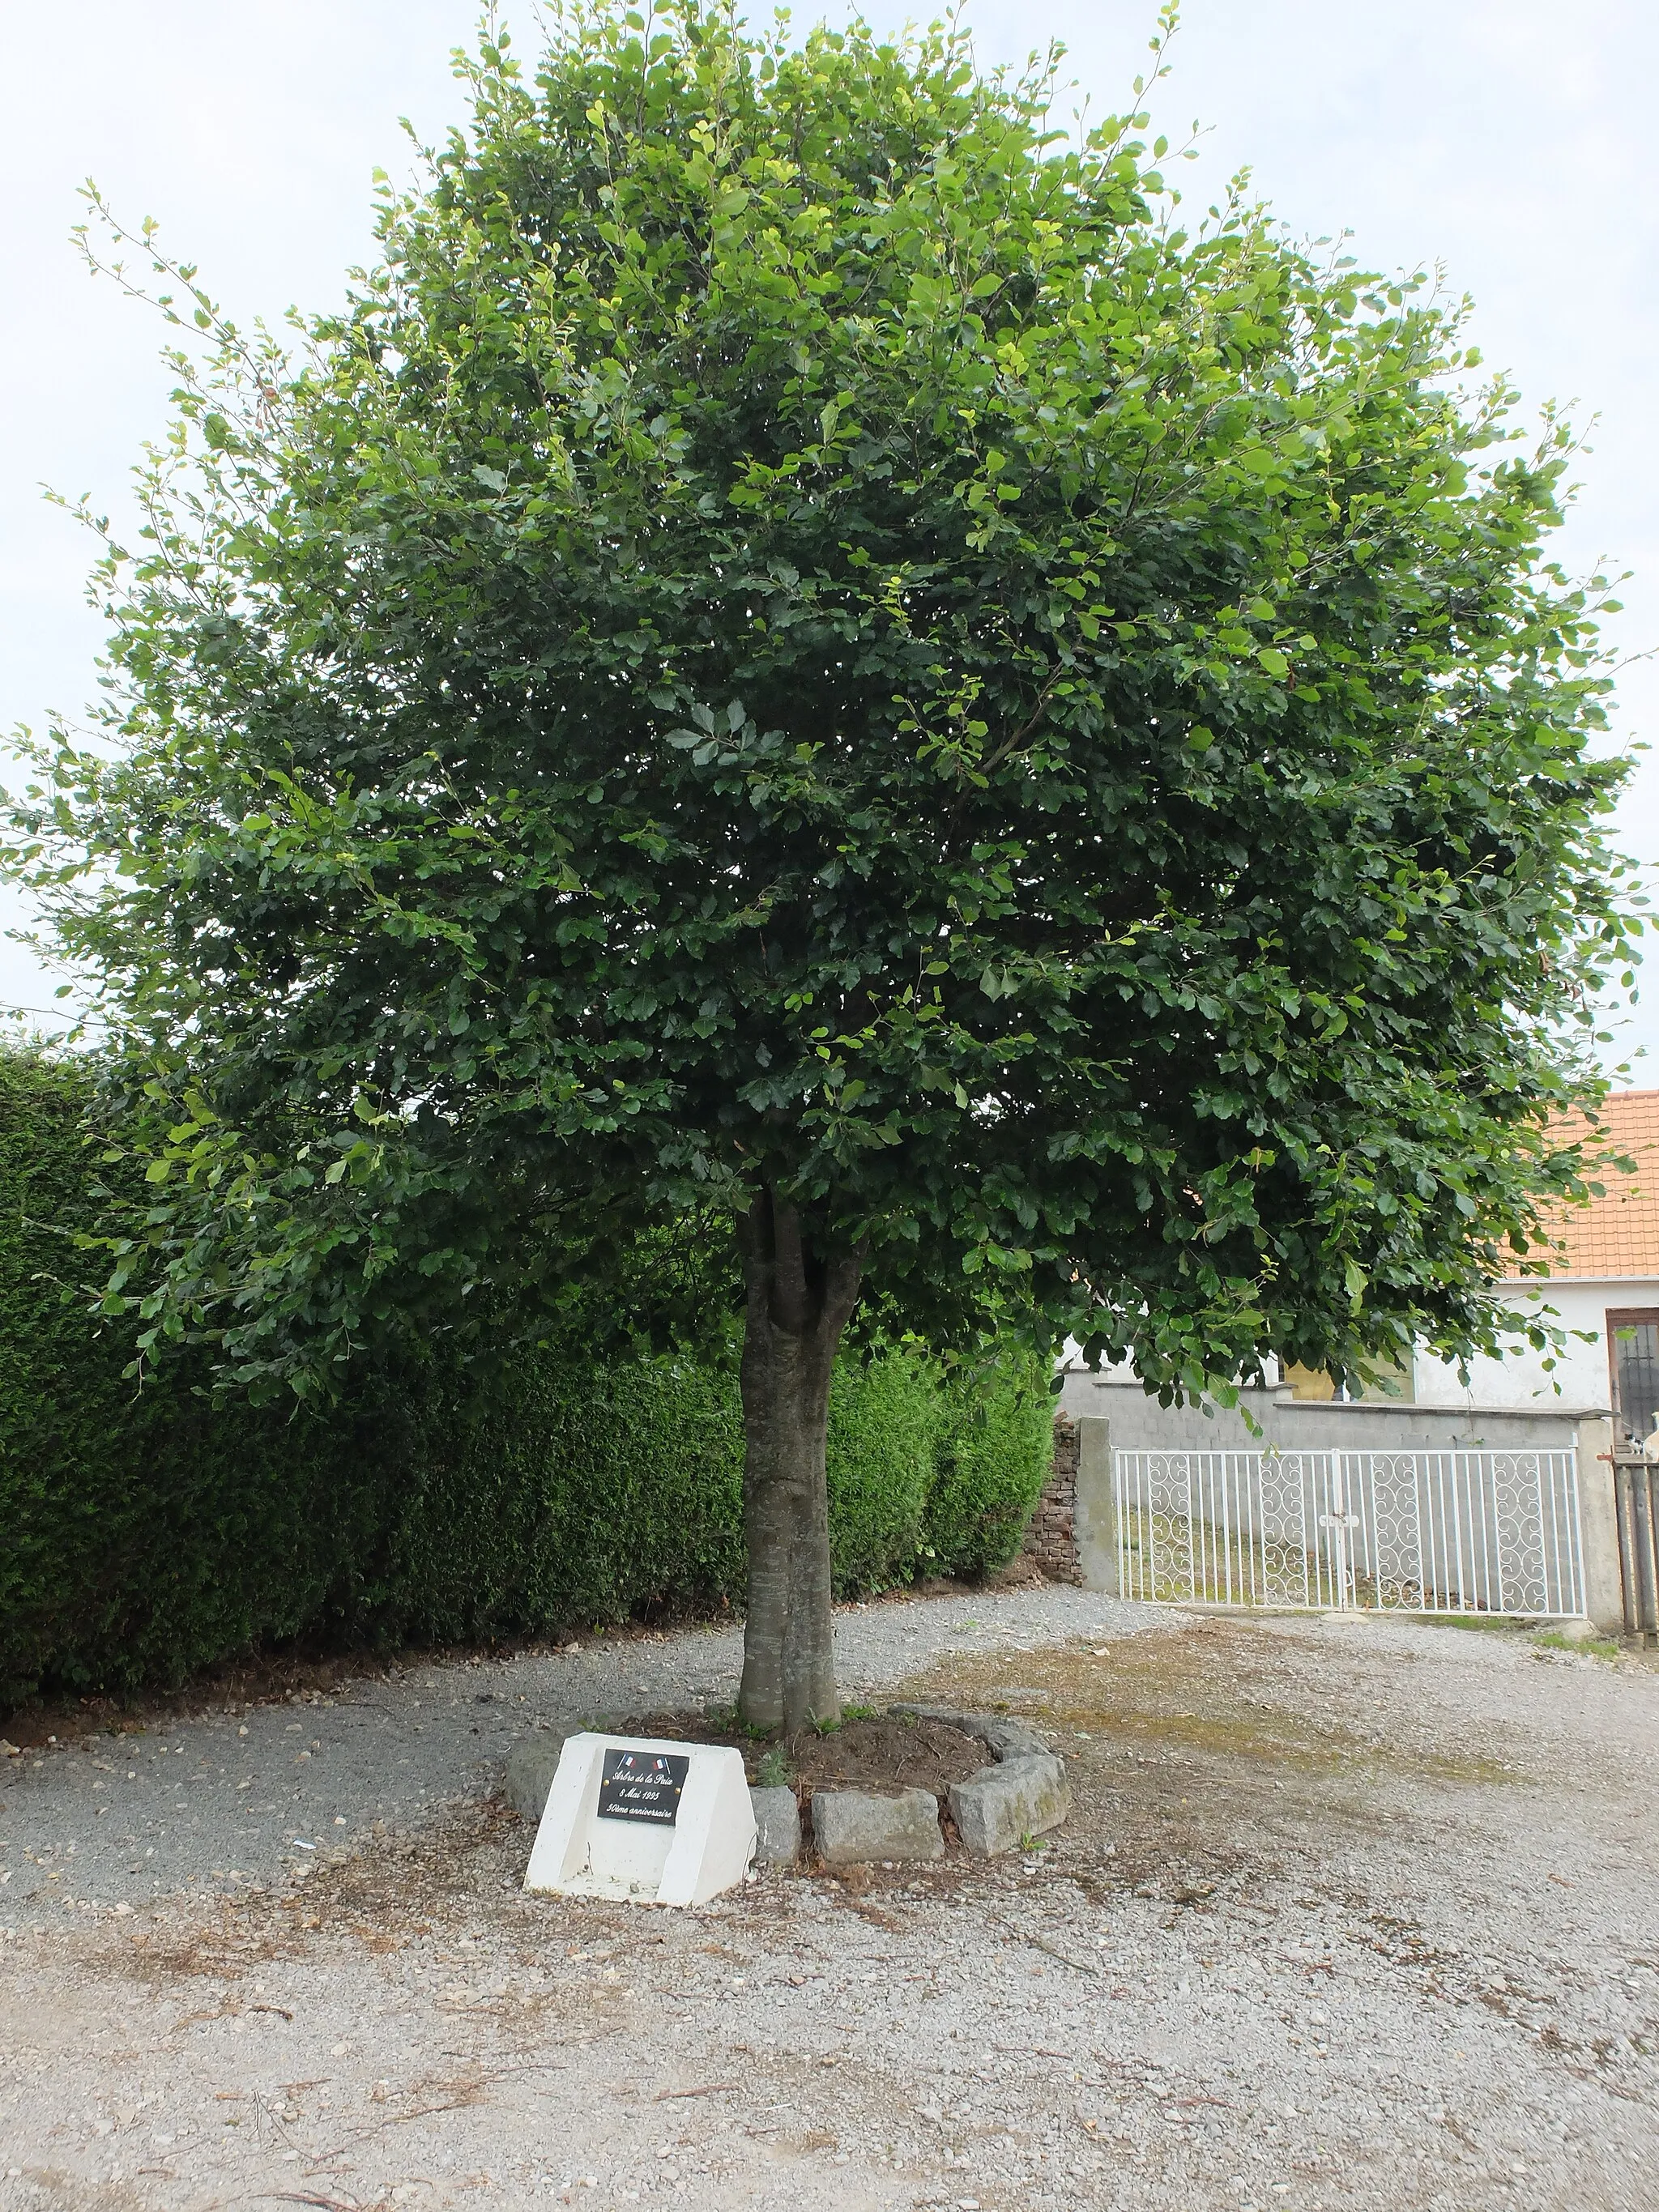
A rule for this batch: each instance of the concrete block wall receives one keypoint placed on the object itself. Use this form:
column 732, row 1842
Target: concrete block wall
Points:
column 1139, row 1423
column 1090, row 1490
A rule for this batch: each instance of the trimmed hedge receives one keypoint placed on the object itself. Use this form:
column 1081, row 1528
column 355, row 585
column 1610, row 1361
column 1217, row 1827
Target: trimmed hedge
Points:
column 884, row 1426
column 995, row 1450
column 146, row 1534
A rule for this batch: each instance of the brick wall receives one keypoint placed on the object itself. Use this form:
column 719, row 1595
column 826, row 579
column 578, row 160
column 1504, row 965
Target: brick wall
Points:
column 1051, row 1540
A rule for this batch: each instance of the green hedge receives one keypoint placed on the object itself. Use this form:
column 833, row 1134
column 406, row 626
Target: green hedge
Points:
column 995, row 1446
column 884, row 1426
column 145, row 1534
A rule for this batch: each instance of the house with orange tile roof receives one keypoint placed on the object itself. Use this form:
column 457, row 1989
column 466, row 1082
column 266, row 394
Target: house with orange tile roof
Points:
column 1604, row 1285
column 1603, row 1289
column 1521, row 1485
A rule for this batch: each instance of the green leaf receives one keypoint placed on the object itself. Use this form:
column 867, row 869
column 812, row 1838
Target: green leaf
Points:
column 1133, row 731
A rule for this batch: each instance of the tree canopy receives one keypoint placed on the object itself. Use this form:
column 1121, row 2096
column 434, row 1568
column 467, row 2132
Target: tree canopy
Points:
column 806, row 636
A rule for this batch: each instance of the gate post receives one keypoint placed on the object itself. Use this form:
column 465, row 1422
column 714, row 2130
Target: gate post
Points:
column 1598, row 1522
column 1642, row 1585
column 1097, row 1506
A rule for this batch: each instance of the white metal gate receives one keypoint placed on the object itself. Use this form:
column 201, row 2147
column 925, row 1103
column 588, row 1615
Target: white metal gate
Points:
column 1419, row 1531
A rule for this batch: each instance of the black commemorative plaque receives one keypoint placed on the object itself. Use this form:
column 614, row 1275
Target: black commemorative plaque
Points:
column 642, row 1785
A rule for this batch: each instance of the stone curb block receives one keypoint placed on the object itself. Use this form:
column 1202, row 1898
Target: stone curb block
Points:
column 1002, row 1737
column 529, row 1771
column 852, row 1827
column 777, row 1823
column 1022, row 1797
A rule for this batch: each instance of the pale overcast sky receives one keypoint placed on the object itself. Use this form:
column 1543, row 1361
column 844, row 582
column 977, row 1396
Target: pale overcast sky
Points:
column 1510, row 140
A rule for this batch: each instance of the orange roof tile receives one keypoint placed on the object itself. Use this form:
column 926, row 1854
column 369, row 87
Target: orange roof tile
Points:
column 1618, row 1234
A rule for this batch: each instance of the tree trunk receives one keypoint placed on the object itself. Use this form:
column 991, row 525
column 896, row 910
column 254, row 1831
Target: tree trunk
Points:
column 798, row 1306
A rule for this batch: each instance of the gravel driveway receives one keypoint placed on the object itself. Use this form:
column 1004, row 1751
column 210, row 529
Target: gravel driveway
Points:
column 231, row 1799
column 1348, row 1914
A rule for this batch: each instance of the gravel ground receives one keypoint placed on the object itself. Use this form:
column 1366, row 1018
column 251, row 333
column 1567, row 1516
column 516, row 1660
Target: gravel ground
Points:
column 1347, row 1913
column 233, row 1798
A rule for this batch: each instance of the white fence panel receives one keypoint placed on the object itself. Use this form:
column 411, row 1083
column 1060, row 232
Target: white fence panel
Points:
column 1419, row 1531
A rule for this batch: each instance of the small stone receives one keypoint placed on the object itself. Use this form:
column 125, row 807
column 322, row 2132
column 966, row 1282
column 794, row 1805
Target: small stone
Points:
column 777, row 1825
column 853, row 1826
column 530, row 1772
column 1004, row 1738
column 994, row 1809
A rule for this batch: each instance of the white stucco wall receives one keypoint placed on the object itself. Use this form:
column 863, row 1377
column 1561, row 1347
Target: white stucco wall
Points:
column 1581, row 1371
column 1579, row 1383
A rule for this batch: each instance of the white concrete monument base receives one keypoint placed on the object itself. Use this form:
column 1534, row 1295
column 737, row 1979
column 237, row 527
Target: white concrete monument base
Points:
column 644, row 1819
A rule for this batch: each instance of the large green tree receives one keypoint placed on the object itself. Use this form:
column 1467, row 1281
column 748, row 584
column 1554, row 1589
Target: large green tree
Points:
column 805, row 655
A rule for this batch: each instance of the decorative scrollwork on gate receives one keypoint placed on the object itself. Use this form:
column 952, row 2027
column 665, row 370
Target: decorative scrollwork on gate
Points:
column 1421, row 1531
